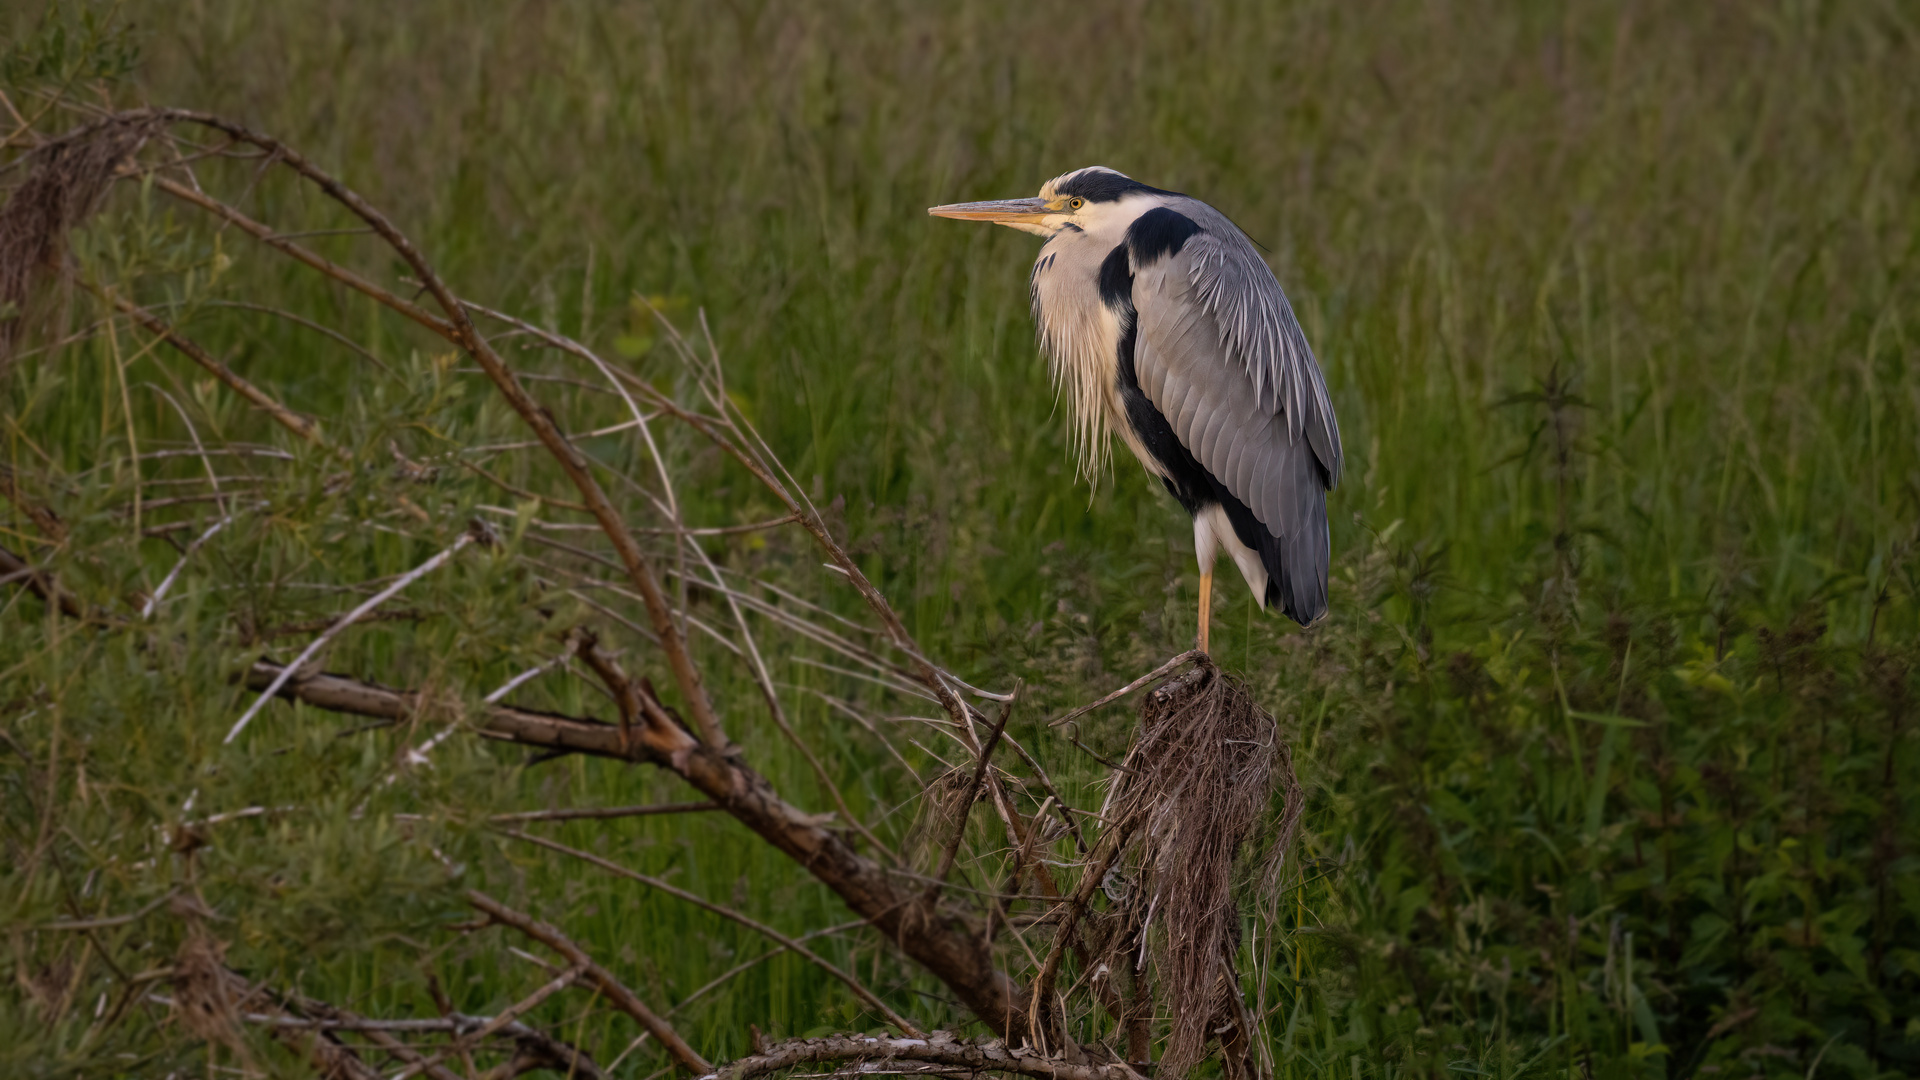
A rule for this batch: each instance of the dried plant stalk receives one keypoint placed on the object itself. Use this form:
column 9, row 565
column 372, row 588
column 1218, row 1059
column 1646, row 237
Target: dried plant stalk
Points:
column 64, row 185
column 1199, row 780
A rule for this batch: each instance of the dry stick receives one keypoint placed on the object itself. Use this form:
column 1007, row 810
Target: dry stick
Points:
column 213, row 477
column 326, row 266
column 764, row 681
column 381, row 1033
column 1025, row 832
column 548, row 731
column 460, row 331
column 966, row 807
column 624, row 999
column 318, row 328
column 320, row 642
column 850, row 649
column 1046, row 784
column 528, row 444
column 859, row 989
column 1020, row 832
column 465, row 1042
column 45, row 520
column 550, row 500
column 186, row 347
column 840, row 706
column 797, row 503
column 806, row 516
column 626, row 695
column 508, row 687
column 879, row 680
column 724, row 530
column 1042, row 992
column 40, row 584
column 943, row 1051
column 1189, row 657
column 418, row 755
column 330, row 1057
column 159, row 594
column 723, row 977
column 111, row 921
column 601, row 813
column 728, row 975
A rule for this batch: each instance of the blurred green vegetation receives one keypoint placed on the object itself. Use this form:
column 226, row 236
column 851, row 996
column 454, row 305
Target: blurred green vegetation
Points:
column 1609, row 737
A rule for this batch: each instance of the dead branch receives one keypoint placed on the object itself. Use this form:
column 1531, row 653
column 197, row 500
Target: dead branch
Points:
column 40, row 583
column 602, row 813
column 808, row 518
column 458, row 328
column 1113, row 843
column 43, row 519
column 318, row 262
column 209, row 995
column 966, row 806
column 949, row 947
column 345, row 621
column 867, row 1054
column 626, row 1000
column 744, row 965
column 534, row 1048
column 859, row 989
column 1190, row 657
column 467, row 1040
column 190, row 349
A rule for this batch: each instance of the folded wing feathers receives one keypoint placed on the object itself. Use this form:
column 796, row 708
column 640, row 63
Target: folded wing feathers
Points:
column 1257, row 326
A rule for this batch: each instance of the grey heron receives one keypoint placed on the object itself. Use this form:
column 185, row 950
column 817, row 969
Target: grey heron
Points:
column 1164, row 326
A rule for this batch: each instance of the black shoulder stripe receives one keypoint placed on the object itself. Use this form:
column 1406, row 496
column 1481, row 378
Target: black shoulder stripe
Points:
column 1116, row 280
column 1158, row 233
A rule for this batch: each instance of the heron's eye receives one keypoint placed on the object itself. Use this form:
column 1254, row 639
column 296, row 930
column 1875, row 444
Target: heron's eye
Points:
column 1076, row 203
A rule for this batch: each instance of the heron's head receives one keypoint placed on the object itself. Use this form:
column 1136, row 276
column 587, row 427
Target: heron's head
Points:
column 1085, row 199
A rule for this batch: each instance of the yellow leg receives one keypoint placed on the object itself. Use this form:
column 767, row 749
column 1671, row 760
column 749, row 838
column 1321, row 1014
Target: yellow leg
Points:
column 1206, row 605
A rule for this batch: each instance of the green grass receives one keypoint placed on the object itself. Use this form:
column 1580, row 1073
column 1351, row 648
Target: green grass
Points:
column 1609, row 737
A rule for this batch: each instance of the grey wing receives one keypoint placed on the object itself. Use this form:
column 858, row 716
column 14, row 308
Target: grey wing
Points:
column 1218, row 352
column 1258, row 331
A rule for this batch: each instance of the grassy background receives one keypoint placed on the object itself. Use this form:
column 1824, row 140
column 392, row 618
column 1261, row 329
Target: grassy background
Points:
column 1608, row 735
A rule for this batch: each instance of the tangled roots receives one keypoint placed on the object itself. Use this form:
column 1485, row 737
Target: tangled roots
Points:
column 1199, row 782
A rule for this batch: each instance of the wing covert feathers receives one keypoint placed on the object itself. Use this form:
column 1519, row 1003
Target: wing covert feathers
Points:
column 1219, row 353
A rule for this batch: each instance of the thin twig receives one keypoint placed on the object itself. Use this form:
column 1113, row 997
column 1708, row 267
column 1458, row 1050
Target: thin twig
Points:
column 624, row 999
column 1161, row 672
column 115, row 920
column 966, row 805
column 602, row 813
column 185, row 346
column 1113, row 842
column 153, row 602
column 466, row 1040
column 942, row 1048
column 859, row 989
column 320, row 642
column 764, row 681
column 318, row 328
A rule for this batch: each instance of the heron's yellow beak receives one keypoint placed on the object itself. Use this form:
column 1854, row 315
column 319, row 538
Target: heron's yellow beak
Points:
column 1014, row 212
